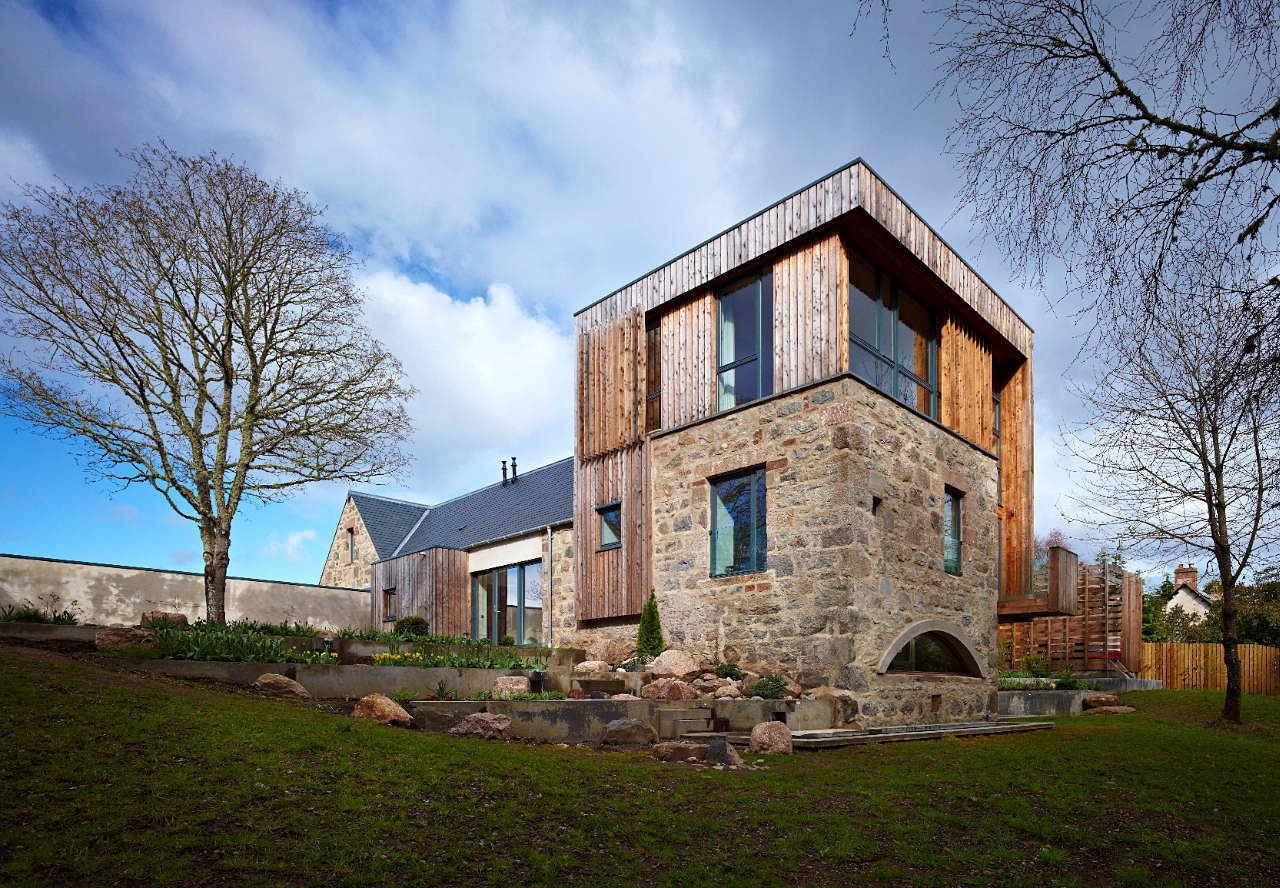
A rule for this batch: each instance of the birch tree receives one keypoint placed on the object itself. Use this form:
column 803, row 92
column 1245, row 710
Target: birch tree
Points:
column 197, row 330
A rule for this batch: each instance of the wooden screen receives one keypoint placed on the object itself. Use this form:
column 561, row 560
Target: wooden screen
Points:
column 433, row 584
column 688, row 370
column 1016, row 510
column 810, row 314
column 611, row 385
column 615, row 582
column 964, row 383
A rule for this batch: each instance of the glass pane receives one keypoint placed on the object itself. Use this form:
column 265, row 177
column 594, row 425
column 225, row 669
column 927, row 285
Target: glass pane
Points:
column 915, row 328
column 533, row 603
column 738, row 330
column 610, row 526
column 933, row 654
column 499, row 612
column 863, row 304
column 732, row 524
column 901, row 661
column 886, row 319
column 871, row 368
column 761, row 542
column 913, row 394
column 482, row 587
column 738, row 386
column 388, row 605
column 766, row 335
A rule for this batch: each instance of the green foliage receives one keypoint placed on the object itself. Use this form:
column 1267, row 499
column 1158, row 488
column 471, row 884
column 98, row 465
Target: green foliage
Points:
column 389, row 637
column 649, row 640
column 528, row 695
column 242, row 642
column 1037, row 665
column 507, row 641
column 728, row 670
column 474, row 657
column 412, row 625
column 402, row 695
column 29, row 613
column 771, row 687
column 298, row 630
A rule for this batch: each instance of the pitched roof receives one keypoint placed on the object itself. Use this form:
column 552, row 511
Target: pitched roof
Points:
column 540, row 497
column 1194, row 593
column 387, row 520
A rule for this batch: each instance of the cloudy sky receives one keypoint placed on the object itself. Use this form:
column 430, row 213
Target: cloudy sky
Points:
column 498, row 166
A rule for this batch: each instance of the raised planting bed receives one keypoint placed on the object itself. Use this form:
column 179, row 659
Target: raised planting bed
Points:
column 353, row 650
column 1044, row 704
column 48, row 635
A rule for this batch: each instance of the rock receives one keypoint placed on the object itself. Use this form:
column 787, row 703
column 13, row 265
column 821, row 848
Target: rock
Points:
column 597, row 695
column 1109, row 710
column 1093, row 701
column 169, row 617
column 729, row 692
column 280, row 686
column 611, row 650
column 114, row 637
column 793, row 690
column 673, row 663
column 629, row 732
column 576, row 694
column 707, row 676
column 771, row 738
column 383, row 710
column 669, row 689
column 843, row 704
column 506, row 685
column 586, row 667
column 485, row 725
column 624, row 697
column 720, row 752
column 680, row 752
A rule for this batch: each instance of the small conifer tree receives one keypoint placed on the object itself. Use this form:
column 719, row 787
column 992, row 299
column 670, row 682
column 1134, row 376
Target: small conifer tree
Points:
column 649, row 641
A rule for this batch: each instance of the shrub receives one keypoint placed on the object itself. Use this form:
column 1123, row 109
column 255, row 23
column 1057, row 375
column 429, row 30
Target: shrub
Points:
column 413, row 625
column 507, row 641
column 771, row 687
column 649, row 641
column 28, row 613
column 728, row 670
column 1037, row 666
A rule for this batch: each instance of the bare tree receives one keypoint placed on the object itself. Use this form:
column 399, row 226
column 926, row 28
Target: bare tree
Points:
column 197, row 330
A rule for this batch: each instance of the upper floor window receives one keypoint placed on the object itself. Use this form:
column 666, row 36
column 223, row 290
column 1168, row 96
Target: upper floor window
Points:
column 738, row 535
column 744, row 342
column 610, row 526
column 892, row 337
column 951, row 531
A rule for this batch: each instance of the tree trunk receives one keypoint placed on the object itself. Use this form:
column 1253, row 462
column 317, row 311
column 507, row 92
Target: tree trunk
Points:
column 216, row 558
column 1231, row 655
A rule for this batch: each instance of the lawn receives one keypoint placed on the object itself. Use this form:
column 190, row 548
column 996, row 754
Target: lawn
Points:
column 114, row 779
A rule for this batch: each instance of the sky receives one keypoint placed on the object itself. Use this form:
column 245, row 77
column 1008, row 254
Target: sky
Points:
column 496, row 167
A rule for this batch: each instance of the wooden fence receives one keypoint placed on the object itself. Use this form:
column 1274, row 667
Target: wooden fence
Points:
column 1200, row 666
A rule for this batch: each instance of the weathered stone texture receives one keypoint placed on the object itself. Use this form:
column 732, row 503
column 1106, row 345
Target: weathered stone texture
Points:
column 381, row 709
column 339, row 569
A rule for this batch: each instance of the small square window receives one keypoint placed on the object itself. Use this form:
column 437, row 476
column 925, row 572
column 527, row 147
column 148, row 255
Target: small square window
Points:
column 951, row 530
column 388, row 604
column 610, row 526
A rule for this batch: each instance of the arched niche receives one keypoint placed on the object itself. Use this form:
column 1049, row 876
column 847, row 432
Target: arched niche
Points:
column 938, row 645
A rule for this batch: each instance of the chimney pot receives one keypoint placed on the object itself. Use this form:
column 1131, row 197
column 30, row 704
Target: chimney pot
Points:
column 513, row 470
column 504, row 473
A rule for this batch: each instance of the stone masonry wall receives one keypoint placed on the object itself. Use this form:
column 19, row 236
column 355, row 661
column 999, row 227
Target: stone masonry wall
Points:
column 594, row 637
column 842, row 580
column 339, row 570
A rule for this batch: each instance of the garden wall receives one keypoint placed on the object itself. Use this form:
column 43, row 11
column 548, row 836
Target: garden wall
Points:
column 115, row 595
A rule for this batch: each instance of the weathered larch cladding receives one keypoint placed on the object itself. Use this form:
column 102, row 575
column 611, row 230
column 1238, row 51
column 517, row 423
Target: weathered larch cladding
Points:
column 433, row 584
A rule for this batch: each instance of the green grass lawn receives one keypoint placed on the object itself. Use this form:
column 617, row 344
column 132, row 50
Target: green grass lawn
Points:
column 111, row 779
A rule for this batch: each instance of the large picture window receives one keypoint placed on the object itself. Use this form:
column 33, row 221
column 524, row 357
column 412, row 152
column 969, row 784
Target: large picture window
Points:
column 508, row 601
column 738, row 534
column 744, row 342
column 892, row 337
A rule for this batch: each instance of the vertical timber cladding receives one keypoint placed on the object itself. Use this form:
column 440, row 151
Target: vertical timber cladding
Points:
column 433, row 584
column 614, row 582
column 965, row 383
column 612, row 385
column 1016, row 488
column 688, row 360
column 810, row 314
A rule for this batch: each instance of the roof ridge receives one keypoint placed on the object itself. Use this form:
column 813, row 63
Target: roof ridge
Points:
column 390, row 499
column 498, row 483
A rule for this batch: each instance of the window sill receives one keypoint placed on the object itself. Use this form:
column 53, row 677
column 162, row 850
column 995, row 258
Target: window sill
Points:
column 930, row 676
column 609, row 548
column 736, row 574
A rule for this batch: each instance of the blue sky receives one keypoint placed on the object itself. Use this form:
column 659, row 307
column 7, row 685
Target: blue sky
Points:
column 499, row 166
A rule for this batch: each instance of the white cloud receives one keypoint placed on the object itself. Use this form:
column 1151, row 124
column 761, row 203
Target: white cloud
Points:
column 20, row 162
column 291, row 548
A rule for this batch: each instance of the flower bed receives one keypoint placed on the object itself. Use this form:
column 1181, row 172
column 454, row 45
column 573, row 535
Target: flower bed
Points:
column 475, row 657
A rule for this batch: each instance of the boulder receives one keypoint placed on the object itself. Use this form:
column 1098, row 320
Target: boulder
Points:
column 628, row 732
column 793, row 689
column 485, row 725
column 771, row 738
column 1109, row 710
column 576, row 694
column 728, row 692
column 169, row 617
column 720, row 752
column 506, row 685
column 611, row 650
column 674, row 663
column 680, row 752
column 669, row 689
column 586, row 667
column 383, row 710
column 110, row 637
column 1093, row 701
column 280, row 686
column 624, row 697
column 844, row 705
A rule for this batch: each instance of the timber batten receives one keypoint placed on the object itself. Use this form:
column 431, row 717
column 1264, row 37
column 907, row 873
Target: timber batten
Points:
column 434, row 584
column 612, row 582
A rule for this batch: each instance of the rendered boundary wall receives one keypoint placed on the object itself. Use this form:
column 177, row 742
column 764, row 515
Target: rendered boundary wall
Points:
column 115, row 595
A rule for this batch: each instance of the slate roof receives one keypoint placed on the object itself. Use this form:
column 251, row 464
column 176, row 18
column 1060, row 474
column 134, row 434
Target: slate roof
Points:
column 539, row 497
column 387, row 520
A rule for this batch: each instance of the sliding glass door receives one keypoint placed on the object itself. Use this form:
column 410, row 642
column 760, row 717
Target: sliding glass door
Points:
column 507, row 601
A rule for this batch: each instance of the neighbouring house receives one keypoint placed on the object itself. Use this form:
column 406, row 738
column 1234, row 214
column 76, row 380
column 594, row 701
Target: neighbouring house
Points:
column 484, row 564
column 811, row 436
column 1187, row 594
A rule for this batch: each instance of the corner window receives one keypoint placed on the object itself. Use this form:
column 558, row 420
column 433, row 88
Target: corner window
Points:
column 930, row 652
column 951, row 531
column 893, row 342
column 610, row 526
column 738, row 534
column 744, row 343
column 389, row 604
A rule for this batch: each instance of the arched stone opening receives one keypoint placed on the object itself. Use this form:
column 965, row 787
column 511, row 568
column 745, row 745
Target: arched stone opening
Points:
column 934, row 647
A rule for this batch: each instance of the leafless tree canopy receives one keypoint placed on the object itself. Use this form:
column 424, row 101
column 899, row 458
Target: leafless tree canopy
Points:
column 197, row 330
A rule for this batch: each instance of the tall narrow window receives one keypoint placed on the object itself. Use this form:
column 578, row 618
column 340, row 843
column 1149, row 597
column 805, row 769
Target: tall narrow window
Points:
column 951, row 531
column 351, row 545
column 744, row 343
column 738, row 529
column 892, row 337
column 389, row 604
column 610, row 526
column 653, row 376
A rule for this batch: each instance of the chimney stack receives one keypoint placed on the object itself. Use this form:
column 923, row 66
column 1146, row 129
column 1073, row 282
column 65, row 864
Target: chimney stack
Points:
column 1186, row 573
column 504, row 473
column 513, row 470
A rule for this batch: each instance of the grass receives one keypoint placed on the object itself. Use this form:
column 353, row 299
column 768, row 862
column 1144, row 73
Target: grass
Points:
column 113, row 779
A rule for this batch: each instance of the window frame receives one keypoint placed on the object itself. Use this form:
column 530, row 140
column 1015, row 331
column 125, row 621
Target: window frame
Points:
column 602, row 546
column 389, row 593
column 492, row 606
column 764, row 345
column 759, row 546
column 351, row 545
column 886, row 284
column 951, row 500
